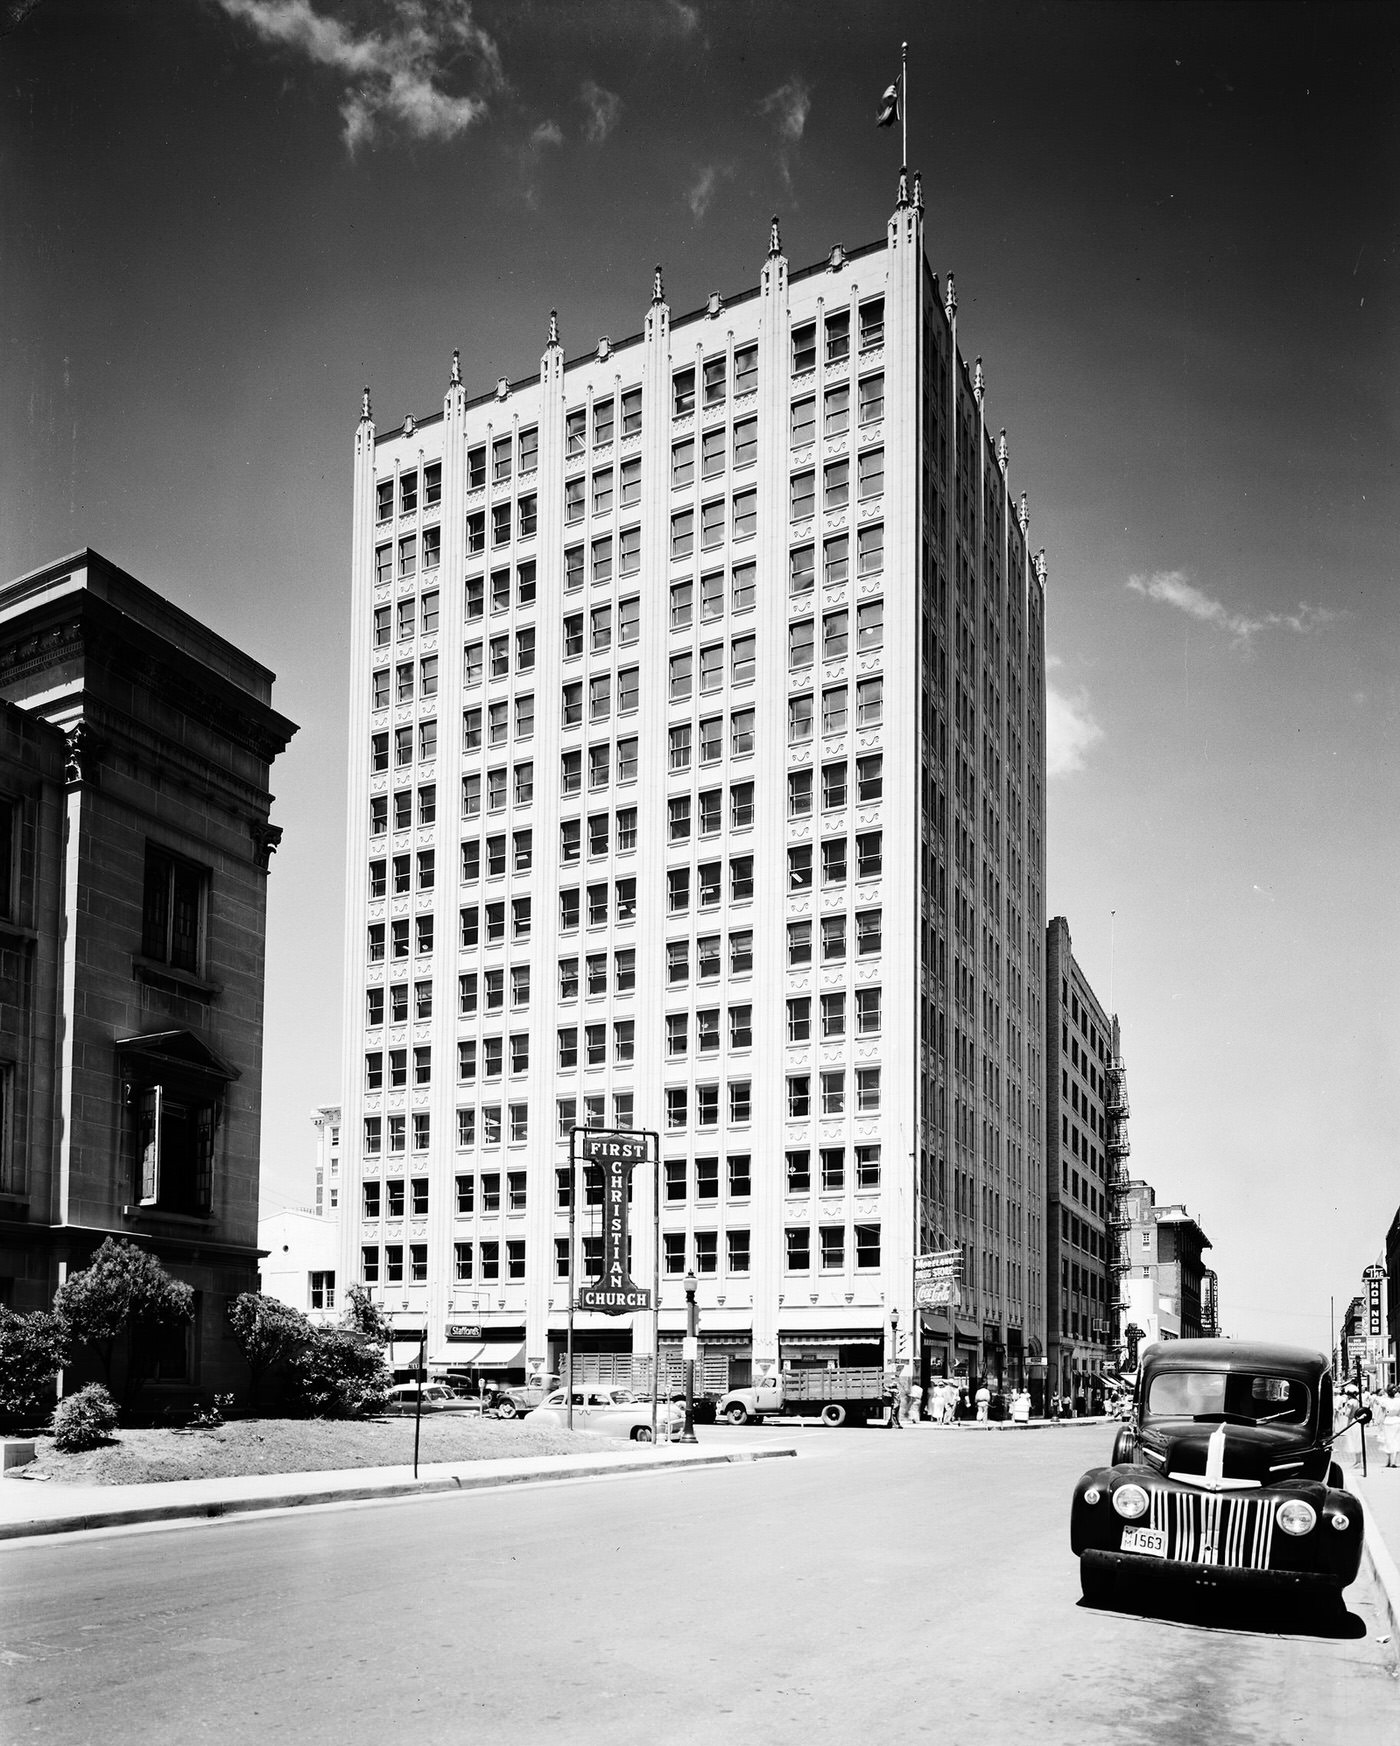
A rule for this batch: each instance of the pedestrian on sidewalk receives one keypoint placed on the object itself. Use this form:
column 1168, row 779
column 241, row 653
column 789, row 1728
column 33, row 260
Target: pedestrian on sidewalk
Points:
column 908, row 1412
column 1388, row 1421
column 984, row 1401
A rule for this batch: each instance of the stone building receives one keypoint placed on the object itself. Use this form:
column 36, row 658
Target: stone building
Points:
column 697, row 784
column 135, row 748
column 1163, row 1280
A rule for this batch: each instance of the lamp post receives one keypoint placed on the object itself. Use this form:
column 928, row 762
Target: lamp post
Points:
column 894, row 1365
column 692, row 1330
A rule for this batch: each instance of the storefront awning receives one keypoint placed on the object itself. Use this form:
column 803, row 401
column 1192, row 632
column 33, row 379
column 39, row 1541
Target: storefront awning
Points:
column 969, row 1334
column 871, row 1337
column 501, row 1357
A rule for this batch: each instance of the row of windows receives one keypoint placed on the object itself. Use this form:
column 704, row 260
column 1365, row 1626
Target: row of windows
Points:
column 514, row 854
column 624, row 839
column 833, row 939
column 571, row 905
column 494, row 788
column 838, row 336
column 488, row 920
column 836, row 634
column 714, row 381
column 835, row 710
column 402, row 676
column 835, row 789
column 742, row 522
column 711, row 596
column 708, row 957
column 836, row 485
column 398, row 1002
column 491, row 1057
column 408, row 491
column 713, row 453
column 835, row 860
column 706, row 740
column 475, row 591
column 403, row 809
column 397, row 1128
column 709, row 885
column 836, row 559
column 743, row 666
column 830, row 1098
column 604, row 425
column 600, row 697
column 703, row 1110
column 394, row 877
column 707, row 813
column 415, row 613
column 836, row 410
column 624, row 484
column 403, row 744
column 600, row 765
column 595, row 974
column 832, row 1015
column 864, row 1173
column 589, row 1045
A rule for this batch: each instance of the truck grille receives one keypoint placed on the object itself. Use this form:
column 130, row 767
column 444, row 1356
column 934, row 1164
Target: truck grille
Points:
column 1211, row 1527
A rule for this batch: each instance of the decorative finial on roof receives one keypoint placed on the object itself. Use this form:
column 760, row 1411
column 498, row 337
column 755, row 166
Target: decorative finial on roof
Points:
column 1042, row 569
column 950, row 299
column 1023, row 512
column 502, row 387
column 604, row 348
column 903, row 199
column 408, row 425
column 836, row 259
column 714, row 305
column 554, row 327
column 775, row 242
column 1003, row 451
column 364, row 403
column 658, row 294
column 456, row 369
column 918, row 192
column 979, row 382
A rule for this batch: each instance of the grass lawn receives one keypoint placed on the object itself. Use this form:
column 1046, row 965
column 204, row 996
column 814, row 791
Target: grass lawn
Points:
column 303, row 1446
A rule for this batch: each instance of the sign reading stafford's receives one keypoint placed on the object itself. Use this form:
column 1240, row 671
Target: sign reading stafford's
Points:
column 616, row 1153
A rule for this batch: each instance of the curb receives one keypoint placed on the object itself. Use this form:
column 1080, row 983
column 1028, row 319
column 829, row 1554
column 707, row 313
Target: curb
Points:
column 1376, row 1554
column 451, row 1482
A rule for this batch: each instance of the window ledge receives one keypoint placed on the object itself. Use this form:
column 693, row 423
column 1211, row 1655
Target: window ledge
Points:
column 20, row 935
column 147, row 1214
column 175, row 981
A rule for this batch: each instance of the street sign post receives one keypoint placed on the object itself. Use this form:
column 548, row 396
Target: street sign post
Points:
column 616, row 1152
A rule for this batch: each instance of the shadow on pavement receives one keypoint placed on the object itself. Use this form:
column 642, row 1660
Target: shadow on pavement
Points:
column 1211, row 1610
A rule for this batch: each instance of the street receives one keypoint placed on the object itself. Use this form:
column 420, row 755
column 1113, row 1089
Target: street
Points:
column 907, row 1585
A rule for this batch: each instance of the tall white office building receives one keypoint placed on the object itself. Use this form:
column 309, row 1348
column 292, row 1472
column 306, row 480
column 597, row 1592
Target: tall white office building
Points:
column 697, row 783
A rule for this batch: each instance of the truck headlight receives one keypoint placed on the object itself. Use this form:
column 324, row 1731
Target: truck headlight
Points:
column 1296, row 1517
column 1130, row 1501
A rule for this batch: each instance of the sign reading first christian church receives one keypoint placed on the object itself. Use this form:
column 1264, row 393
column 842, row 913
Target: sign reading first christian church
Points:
column 616, row 1154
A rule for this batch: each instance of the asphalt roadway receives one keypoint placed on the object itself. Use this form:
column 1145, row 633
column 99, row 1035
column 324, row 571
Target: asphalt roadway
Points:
column 911, row 1585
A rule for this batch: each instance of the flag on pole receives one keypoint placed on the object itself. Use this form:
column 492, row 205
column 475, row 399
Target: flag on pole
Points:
column 889, row 106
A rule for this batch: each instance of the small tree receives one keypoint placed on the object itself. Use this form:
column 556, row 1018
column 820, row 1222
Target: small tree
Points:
column 124, row 1291
column 270, row 1332
column 33, row 1349
column 341, row 1370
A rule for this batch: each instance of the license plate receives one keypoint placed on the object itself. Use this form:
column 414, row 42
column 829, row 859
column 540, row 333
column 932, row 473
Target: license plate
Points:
column 1151, row 1541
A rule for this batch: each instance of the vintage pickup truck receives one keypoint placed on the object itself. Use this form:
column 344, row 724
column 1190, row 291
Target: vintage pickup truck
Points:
column 836, row 1397
column 1222, row 1477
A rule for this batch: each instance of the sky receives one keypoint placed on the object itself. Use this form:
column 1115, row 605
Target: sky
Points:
column 1173, row 233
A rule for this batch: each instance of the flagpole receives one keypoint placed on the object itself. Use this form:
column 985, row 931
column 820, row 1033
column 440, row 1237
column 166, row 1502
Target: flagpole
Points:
column 904, row 104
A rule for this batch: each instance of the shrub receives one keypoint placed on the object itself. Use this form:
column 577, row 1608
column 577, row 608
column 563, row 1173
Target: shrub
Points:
column 33, row 1349
column 84, row 1420
column 340, row 1371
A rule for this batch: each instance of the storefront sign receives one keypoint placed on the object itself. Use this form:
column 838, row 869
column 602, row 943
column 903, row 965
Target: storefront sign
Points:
column 616, row 1154
column 929, row 1293
column 464, row 1330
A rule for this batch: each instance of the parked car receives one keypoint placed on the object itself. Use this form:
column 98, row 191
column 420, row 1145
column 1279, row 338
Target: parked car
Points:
column 511, row 1401
column 1222, row 1476
column 614, row 1412
column 437, row 1398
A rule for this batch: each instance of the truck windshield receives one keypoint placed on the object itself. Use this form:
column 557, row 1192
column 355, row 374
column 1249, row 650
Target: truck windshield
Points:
column 1234, row 1397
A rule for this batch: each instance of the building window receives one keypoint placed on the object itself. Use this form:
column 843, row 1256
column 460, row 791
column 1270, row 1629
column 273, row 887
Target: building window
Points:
column 173, row 910
column 173, row 1130
column 833, row 1248
column 872, row 399
column 868, row 1246
column 870, row 550
column 799, row 1244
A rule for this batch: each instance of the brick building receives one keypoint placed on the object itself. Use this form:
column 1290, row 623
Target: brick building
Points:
column 135, row 748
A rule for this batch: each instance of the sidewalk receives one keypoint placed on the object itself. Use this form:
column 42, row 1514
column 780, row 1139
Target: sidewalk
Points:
column 1379, row 1492
column 30, row 1506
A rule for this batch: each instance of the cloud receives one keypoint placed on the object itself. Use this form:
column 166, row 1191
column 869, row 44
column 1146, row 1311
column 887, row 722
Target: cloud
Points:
column 788, row 108
column 548, row 133
column 1070, row 730
column 1172, row 588
column 687, row 18
column 702, row 190
column 396, row 75
column 602, row 109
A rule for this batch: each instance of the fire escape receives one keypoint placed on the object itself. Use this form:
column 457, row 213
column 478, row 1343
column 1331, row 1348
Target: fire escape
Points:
column 1116, row 1149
